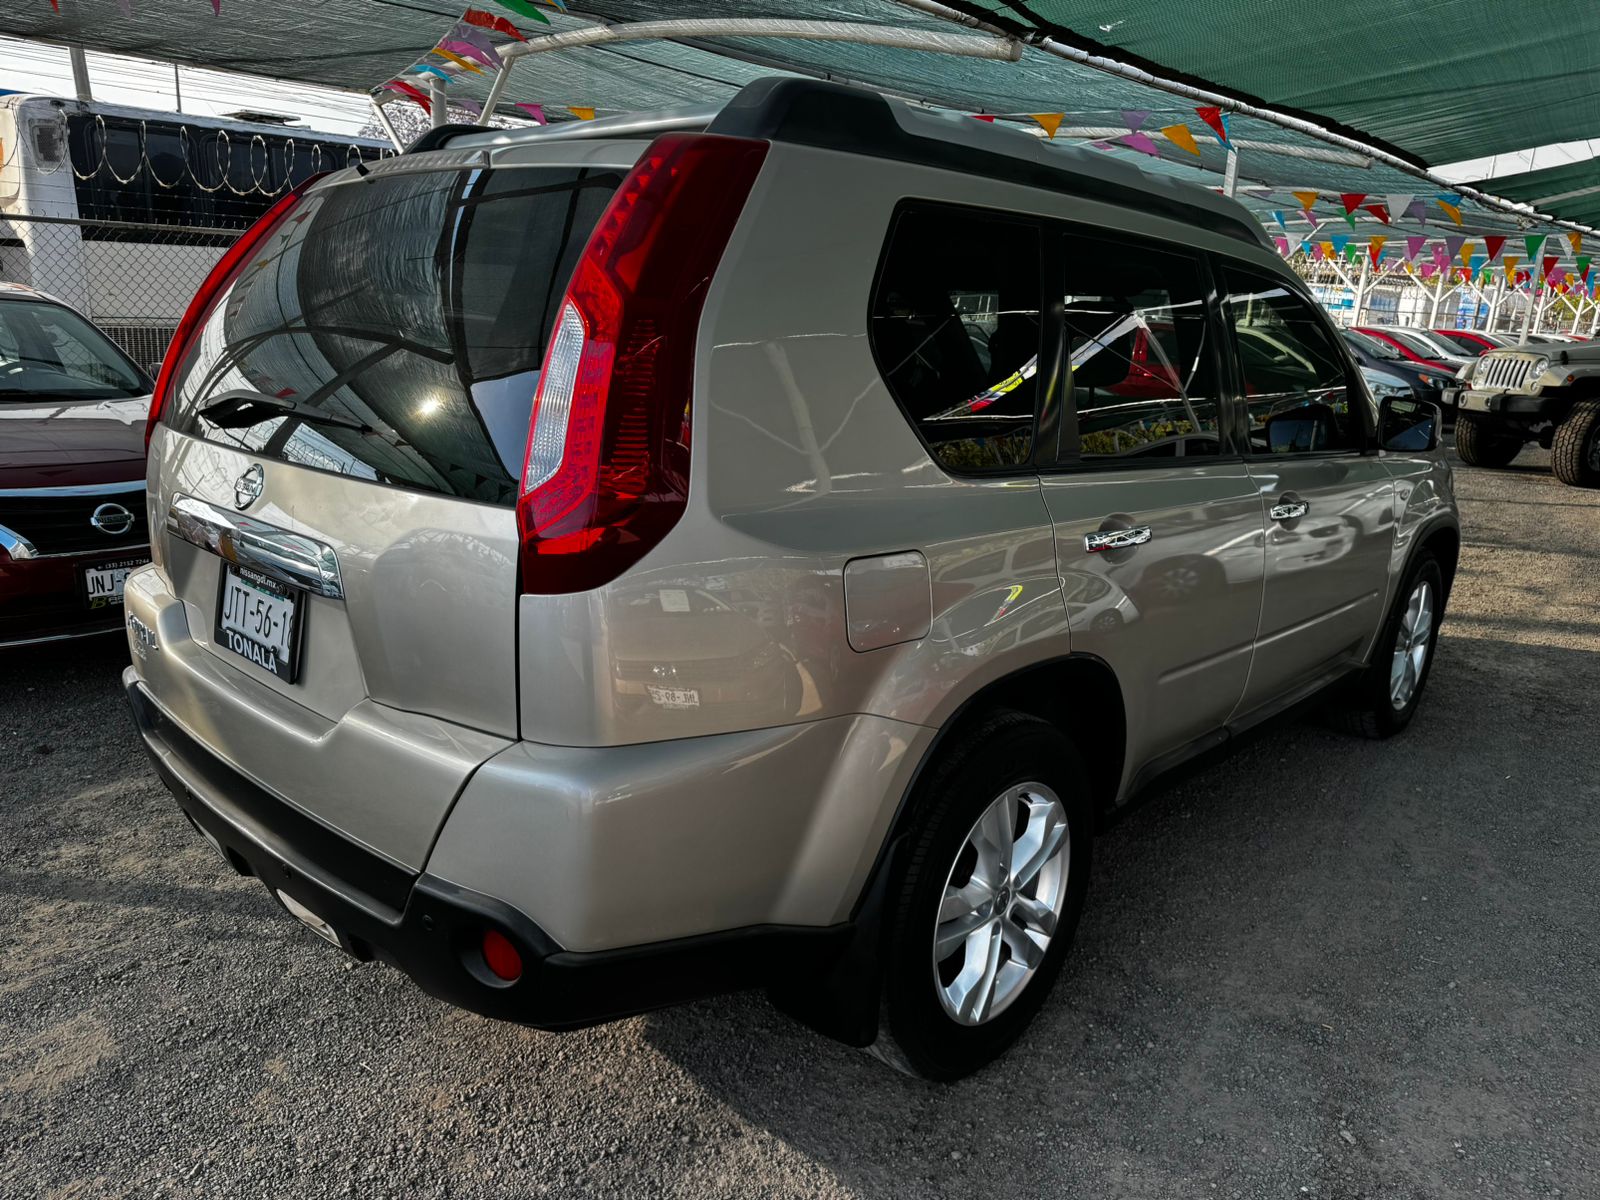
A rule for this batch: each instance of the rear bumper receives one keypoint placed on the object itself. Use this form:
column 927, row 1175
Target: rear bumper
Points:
column 1546, row 406
column 431, row 928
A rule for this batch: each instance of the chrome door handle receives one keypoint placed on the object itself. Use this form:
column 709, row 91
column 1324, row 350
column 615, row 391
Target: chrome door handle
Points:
column 1290, row 511
column 1116, row 539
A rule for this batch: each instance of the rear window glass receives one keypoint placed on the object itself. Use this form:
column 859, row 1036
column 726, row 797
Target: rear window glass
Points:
column 955, row 327
column 393, row 328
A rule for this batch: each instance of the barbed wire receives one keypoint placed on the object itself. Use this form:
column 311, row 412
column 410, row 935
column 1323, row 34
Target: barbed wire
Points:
column 223, row 143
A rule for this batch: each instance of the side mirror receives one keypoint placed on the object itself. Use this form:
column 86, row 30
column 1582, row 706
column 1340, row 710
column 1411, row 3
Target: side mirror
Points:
column 154, row 369
column 1408, row 425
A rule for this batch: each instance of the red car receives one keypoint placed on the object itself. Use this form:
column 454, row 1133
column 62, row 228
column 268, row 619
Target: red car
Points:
column 72, row 497
column 1470, row 340
column 1415, row 349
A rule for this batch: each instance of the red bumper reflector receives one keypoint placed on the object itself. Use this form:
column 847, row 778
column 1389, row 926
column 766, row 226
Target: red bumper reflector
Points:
column 501, row 957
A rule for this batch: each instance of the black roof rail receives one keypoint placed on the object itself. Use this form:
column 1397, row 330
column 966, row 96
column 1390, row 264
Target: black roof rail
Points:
column 832, row 116
column 438, row 135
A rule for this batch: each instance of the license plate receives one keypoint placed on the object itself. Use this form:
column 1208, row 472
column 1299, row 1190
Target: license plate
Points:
column 674, row 697
column 259, row 619
column 103, row 582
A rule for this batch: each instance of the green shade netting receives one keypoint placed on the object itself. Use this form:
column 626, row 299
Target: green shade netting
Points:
column 362, row 43
column 1570, row 191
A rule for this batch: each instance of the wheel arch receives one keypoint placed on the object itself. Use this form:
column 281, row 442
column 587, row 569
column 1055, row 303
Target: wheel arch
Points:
column 1076, row 693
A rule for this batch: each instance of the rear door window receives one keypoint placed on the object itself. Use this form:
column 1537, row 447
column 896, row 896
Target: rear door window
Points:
column 1139, row 344
column 393, row 328
column 955, row 328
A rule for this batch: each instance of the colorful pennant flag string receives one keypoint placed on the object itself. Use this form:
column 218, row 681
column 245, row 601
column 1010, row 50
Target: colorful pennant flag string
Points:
column 1451, row 205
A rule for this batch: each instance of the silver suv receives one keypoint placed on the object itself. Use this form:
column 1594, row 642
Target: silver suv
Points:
column 606, row 565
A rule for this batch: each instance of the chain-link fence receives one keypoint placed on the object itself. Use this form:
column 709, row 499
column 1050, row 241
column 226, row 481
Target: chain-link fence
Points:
column 133, row 280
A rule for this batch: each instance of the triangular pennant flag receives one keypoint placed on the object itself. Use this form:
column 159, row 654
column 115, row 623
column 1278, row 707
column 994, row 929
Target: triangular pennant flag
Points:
column 475, row 107
column 1548, row 264
column 1398, row 204
column 582, row 112
column 1296, row 244
column 405, row 89
column 1218, row 123
column 1180, row 137
column 1583, row 267
column 1340, row 241
column 1327, row 250
column 1049, row 122
column 1466, row 253
column 1377, row 210
column 1428, row 270
column 1283, row 246
column 1491, row 246
column 1352, row 253
column 1576, row 239
column 1134, row 118
column 526, row 8
column 1510, row 265
column 1351, row 201
column 1533, row 241
column 1350, row 219
column 988, row 118
column 1375, row 248
column 1453, row 211
column 536, row 111
column 1307, row 199
column 1452, row 246
column 1140, row 142
column 451, row 56
column 1414, row 246
column 456, row 46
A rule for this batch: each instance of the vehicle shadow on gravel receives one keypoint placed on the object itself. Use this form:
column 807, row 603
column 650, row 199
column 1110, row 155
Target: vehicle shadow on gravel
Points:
column 1302, row 966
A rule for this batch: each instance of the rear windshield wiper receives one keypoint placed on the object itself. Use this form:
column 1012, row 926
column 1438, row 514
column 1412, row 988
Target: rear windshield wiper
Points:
column 242, row 408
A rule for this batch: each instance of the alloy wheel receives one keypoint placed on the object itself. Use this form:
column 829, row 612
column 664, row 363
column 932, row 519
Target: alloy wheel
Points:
column 1411, row 645
column 1001, row 904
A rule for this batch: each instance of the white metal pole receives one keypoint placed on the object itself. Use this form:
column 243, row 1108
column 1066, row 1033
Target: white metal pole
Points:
column 80, row 72
column 1577, row 315
column 436, row 102
column 1527, row 317
column 1361, row 289
column 388, row 125
column 1230, row 175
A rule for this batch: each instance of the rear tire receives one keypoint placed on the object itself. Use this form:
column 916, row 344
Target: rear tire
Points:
column 1383, row 698
column 1482, row 443
column 1575, row 450
column 931, row 1025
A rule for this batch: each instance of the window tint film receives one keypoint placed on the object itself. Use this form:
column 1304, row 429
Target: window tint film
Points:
column 393, row 328
column 955, row 327
column 1138, row 341
column 48, row 350
column 1296, row 389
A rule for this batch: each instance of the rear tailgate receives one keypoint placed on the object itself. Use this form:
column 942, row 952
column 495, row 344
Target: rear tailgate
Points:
column 336, row 475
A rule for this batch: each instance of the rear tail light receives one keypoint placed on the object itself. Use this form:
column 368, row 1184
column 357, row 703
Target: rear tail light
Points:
column 607, row 468
column 233, row 260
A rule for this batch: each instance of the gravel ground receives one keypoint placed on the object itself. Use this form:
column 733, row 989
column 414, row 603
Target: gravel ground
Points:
column 1324, row 967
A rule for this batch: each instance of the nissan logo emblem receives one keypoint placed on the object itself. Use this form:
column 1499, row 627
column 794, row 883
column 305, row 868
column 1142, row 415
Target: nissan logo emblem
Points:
column 247, row 488
column 112, row 519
